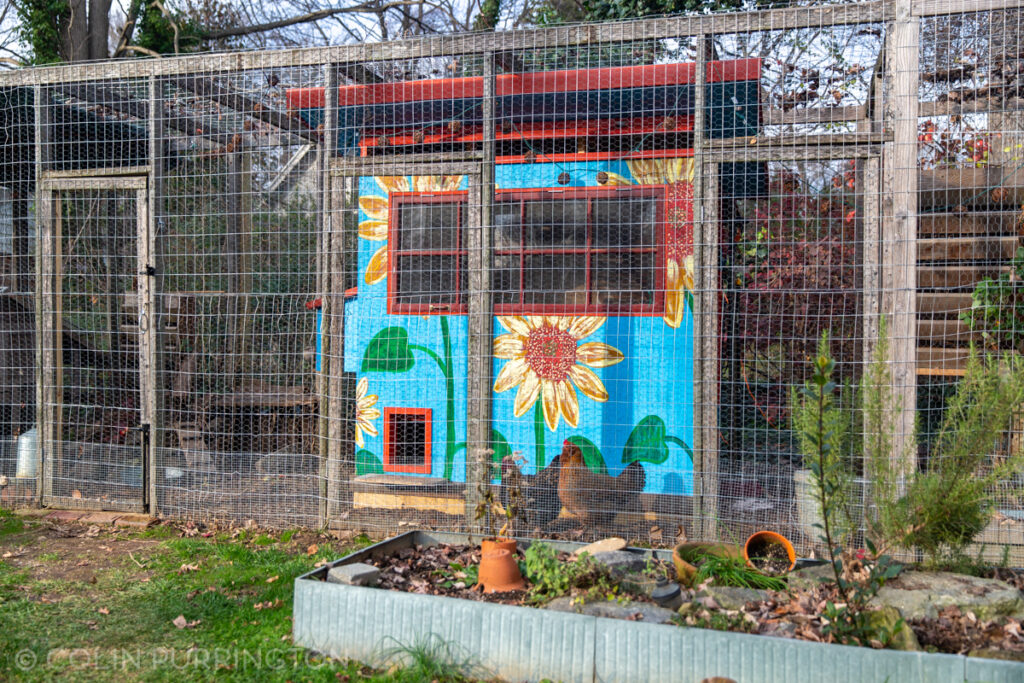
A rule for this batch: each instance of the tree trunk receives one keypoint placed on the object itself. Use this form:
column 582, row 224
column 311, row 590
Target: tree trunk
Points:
column 74, row 33
column 1006, row 64
column 99, row 29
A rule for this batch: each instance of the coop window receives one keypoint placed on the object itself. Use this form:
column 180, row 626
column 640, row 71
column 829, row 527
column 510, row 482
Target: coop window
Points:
column 407, row 440
column 427, row 258
column 580, row 250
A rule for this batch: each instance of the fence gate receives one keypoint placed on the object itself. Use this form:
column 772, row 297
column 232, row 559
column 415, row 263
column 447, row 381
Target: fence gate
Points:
column 95, row 341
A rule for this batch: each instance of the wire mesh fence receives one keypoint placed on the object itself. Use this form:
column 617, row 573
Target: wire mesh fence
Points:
column 581, row 269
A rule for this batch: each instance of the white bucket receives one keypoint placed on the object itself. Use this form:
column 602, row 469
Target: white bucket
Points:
column 27, row 464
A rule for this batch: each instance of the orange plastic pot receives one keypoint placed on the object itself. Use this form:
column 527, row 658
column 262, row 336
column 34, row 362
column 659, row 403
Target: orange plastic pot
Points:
column 755, row 545
column 499, row 570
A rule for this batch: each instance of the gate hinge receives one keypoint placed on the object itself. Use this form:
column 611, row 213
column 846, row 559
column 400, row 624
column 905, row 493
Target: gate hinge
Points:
column 150, row 271
column 143, row 428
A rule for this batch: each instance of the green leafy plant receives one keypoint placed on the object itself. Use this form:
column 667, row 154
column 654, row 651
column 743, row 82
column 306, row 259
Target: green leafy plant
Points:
column 733, row 571
column 997, row 308
column 850, row 620
column 550, row 577
column 943, row 508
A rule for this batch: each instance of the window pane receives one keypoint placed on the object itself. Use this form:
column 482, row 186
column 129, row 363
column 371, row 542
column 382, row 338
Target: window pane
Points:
column 624, row 222
column 506, row 226
column 505, row 283
column 427, row 226
column 619, row 281
column 552, row 279
column 556, row 223
column 425, row 279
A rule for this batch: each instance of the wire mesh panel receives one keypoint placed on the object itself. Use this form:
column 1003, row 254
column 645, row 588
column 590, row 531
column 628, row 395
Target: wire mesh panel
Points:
column 96, row 451
column 239, row 217
column 568, row 280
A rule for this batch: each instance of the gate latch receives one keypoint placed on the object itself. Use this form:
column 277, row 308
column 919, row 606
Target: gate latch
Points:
column 149, row 271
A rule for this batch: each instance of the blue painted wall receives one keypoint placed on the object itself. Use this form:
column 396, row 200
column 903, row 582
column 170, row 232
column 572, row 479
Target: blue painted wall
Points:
column 655, row 378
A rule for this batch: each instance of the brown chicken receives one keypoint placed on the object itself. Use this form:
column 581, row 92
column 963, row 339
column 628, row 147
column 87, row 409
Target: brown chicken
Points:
column 596, row 498
column 539, row 505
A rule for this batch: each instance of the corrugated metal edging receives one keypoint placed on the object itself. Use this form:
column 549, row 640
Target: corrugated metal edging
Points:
column 516, row 644
column 632, row 651
column 525, row 644
column 993, row 671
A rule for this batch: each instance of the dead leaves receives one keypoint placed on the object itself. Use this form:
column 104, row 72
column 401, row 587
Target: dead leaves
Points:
column 961, row 632
column 313, row 549
column 269, row 604
column 181, row 622
column 185, row 568
column 272, row 579
column 92, row 532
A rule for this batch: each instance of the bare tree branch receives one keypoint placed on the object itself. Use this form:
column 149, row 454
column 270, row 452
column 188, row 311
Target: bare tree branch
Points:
column 215, row 34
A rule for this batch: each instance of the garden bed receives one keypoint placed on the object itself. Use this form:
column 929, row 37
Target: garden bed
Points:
column 419, row 597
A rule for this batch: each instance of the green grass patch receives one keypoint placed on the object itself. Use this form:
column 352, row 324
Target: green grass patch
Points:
column 232, row 597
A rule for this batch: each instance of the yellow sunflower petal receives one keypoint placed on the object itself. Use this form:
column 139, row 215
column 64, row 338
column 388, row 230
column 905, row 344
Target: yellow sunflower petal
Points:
column 588, row 382
column 451, row 182
column 598, row 355
column 527, row 394
column 674, row 306
column 508, row 346
column 359, row 437
column 568, row 403
column 369, row 414
column 673, row 170
column 367, row 427
column 377, row 268
column 393, row 183
column 362, row 386
column 584, row 326
column 426, row 183
column 515, row 324
column 375, row 231
column 550, row 400
column 366, row 401
column 513, row 373
column 672, row 274
column 611, row 179
column 687, row 172
column 375, row 206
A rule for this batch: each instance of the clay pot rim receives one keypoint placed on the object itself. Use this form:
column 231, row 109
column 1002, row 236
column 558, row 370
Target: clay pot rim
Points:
column 770, row 537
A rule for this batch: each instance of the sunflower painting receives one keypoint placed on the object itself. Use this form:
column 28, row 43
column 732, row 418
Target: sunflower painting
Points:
column 677, row 174
column 365, row 411
column 547, row 361
column 375, row 227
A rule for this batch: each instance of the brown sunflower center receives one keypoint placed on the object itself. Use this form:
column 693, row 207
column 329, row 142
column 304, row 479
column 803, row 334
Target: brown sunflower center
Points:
column 550, row 352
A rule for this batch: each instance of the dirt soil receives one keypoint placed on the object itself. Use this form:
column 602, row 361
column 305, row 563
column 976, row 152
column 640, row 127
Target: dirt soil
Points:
column 449, row 570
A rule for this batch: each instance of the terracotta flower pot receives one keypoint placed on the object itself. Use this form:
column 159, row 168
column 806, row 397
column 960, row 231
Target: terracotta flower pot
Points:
column 685, row 554
column 499, row 570
column 759, row 541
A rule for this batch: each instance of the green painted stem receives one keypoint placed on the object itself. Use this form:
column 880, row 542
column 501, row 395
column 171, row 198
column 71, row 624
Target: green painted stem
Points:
column 449, row 380
column 449, row 376
column 538, row 433
column 682, row 444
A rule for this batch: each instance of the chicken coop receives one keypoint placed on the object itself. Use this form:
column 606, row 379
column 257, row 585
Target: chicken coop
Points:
column 574, row 271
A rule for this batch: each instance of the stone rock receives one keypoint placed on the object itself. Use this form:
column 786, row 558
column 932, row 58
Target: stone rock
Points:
column 621, row 561
column 605, row 545
column 638, row 583
column 918, row 595
column 888, row 617
column 780, row 629
column 731, row 597
column 811, row 577
column 631, row 611
column 357, row 574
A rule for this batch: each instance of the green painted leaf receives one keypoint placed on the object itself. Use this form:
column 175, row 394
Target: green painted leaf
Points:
column 646, row 443
column 388, row 351
column 500, row 445
column 591, row 455
column 368, row 463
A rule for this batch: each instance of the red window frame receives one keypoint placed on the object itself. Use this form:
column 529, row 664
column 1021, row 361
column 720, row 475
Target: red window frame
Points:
column 656, row 308
column 389, row 455
column 395, row 201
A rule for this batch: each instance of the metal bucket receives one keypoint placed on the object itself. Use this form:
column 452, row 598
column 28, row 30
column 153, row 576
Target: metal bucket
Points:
column 28, row 466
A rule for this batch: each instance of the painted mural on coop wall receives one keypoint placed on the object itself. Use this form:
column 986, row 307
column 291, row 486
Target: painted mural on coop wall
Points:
column 615, row 379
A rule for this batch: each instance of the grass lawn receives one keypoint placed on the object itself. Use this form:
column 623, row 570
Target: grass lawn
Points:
column 170, row 603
